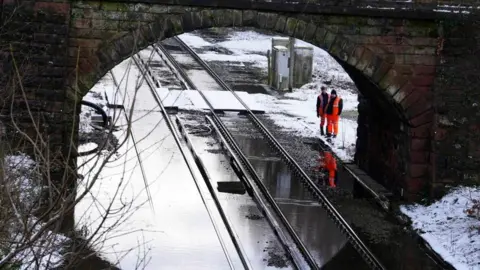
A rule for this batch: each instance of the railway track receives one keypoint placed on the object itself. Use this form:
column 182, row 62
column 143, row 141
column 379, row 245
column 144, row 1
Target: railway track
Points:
column 358, row 244
column 181, row 133
column 246, row 170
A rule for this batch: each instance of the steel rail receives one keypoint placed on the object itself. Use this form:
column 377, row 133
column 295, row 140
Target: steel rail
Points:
column 223, row 130
column 189, row 165
column 206, row 177
column 236, row 163
column 358, row 244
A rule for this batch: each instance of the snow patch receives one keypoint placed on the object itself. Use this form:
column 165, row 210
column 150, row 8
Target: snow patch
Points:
column 23, row 180
column 294, row 112
column 448, row 230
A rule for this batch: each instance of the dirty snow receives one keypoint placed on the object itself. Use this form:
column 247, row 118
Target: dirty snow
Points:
column 448, row 229
column 44, row 253
column 295, row 112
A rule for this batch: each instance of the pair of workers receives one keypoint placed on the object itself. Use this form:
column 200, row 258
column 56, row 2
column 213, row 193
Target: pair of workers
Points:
column 329, row 107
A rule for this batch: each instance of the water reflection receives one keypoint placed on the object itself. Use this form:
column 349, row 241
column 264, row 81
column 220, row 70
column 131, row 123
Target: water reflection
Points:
column 257, row 238
column 307, row 217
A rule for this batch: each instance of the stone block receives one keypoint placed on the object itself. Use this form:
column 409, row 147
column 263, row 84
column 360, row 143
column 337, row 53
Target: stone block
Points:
column 421, row 122
column 290, row 26
column 250, row 18
column 174, row 26
column 370, row 31
column 423, row 70
column 422, row 131
column 373, row 66
column 426, row 60
column 84, row 43
column 419, row 157
column 52, row 7
column 82, row 23
column 300, row 29
column 223, row 18
column 415, row 106
column 403, row 92
column 188, row 22
column 158, row 9
column 124, row 46
column 414, row 187
column 238, row 20
column 417, row 144
column 310, row 32
column 418, row 171
column 423, row 80
column 422, row 41
column 381, row 71
column 356, row 55
column 208, row 20
column 366, row 59
column 158, row 28
column 337, row 49
column 329, row 40
column 261, row 19
column 320, row 37
column 392, row 82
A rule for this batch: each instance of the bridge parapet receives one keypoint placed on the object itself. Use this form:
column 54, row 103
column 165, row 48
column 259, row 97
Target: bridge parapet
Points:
column 421, row 9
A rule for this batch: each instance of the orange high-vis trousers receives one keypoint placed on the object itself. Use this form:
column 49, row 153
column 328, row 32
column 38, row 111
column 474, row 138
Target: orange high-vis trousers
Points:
column 322, row 119
column 331, row 178
column 332, row 124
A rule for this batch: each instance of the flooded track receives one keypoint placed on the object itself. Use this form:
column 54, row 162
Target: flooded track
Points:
column 299, row 207
column 271, row 256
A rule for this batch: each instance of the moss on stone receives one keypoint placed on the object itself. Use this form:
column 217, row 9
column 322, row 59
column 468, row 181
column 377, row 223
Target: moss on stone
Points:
column 177, row 25
column 291, row 25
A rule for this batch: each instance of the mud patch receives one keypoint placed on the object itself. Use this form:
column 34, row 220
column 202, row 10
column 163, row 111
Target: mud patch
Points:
column 275, row 257
column 254, row 216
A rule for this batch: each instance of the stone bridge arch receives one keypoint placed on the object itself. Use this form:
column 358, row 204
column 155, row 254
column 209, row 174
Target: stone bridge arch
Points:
column 407, row 156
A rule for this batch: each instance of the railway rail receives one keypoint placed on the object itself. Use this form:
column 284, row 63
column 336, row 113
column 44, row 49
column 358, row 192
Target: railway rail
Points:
column 358, row 244
column 239, row 170
column 237, row 162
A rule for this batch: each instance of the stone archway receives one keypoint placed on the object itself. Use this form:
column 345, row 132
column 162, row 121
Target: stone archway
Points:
column 412, row 103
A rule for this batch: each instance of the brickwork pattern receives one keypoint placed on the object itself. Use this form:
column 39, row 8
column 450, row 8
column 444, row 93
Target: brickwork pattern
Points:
column 457, row 99
column 82, row 40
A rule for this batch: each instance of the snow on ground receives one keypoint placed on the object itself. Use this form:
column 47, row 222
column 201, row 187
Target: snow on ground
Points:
column 294, row 111
column 44, row 252
column 448, row 229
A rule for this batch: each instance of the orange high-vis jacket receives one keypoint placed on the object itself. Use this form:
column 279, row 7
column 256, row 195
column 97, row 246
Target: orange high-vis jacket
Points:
column 329, row 162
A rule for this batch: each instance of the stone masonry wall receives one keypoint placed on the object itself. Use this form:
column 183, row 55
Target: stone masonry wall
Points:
column 33, row 68
column 457, row 100
column 397, row 55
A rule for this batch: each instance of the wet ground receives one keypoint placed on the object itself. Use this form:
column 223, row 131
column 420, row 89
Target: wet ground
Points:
column 390, row 241
column 257, row 238
column 309, row 220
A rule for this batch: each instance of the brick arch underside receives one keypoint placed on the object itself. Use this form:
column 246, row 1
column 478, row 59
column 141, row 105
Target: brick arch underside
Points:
column 405, row 157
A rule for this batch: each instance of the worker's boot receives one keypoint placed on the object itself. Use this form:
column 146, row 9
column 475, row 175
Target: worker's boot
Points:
column 321, row 131
column 334, row 136
column 329, row 135
column 332, row 182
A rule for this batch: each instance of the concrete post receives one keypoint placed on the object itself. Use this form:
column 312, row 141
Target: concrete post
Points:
column 269, row 69
column 291, row 63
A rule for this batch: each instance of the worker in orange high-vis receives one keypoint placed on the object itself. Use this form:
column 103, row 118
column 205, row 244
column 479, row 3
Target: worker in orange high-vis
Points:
column 330, row 165
column 333, row 112
column 322, row 101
